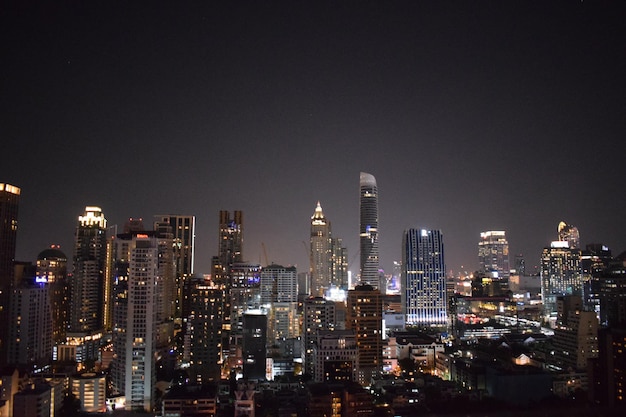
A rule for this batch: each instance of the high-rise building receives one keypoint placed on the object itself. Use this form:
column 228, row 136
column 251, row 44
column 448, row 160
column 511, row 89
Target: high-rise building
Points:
column 183, row 229
column 254, row 345
column 31, row 324
column 52, row 271
column 9, row 200
column 230, row 245
column 279, row 284
column 368, row 231
column 365, row 318
column 493, row 254
column 560, row 275
column 135, row 317
column 318, row 315
column 321, row 252
column 568, row 233
column 424, row 300
column 335, row 354
column 203, row 338
column 339, row 276
column 88, row 280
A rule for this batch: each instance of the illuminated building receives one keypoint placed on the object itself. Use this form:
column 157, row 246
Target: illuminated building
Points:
column 321, row 253
column 568, row 233
column 31, row 325
column 230, row 245
column 560, row 275
column 88, row 283
column 203, row 336
column 364, row 317
column 90, row 389
column 424, row 299
column 335, row 354
column 339, row 276
column 493, row 254
column 318, row 315
column 52, row 270
column 575, row 341
column 135, row 318
column 9, row 201
column 183, row 229
column 368, row 230
column 279, row 284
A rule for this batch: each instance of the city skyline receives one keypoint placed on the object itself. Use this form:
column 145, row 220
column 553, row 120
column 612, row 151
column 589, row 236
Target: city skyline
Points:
column 472, row 117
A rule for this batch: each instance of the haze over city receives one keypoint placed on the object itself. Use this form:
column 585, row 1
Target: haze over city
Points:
column 472, row 116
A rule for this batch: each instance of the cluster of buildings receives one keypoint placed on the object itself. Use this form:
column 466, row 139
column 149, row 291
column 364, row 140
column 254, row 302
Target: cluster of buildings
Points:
column 127, row 323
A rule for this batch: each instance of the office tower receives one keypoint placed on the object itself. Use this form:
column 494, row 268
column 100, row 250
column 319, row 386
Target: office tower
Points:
column 203, row 337
column 321, row 252
column 279, row 284
column 575, row 341
column 365, row 311
column 30, row 330
column 230, row 245
column 88, row 281
column 368, row 231
column 560, row 275
column 335, row 354
column 568, row 233
column 493, row 254
column 183, row 229
column 339, row 275
column 9, row 200
column 52, row 270
column 254, row 345
column 424, row 300
column 608, row 379
column 608, row 295
column 135, row 317
column 318, row 315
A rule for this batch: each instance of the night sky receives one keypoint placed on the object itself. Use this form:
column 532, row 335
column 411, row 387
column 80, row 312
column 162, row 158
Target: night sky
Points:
column 472, row 116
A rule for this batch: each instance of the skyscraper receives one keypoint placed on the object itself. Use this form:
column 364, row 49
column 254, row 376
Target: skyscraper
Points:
column 135, row 317
column 9, row 199
column 493, row 254
column 52, row 271
column 321, row 253
column 368, row 231
column 230, row 245
column 561, row 274
column 569, row 234
column 87, row 284
column 424, row 298
column 365, row 318
column 183, row 229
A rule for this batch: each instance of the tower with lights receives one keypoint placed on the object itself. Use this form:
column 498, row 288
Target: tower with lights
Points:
column 321, row 252
column 368, row 230
column 424, row 300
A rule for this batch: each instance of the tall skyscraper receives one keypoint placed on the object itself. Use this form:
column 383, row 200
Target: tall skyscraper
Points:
column 230, row 245
column 339, row 276
column 52, row 271
column 368, row 231
column 183, row 229
column 424, row 300
column 9, row 199
column 135, row 318
column 365, row 318
column 321, row 252
column 318, row 315
column 561, row 274
column 569, row 234
column 493, row 254
column 88, row 283
column 203, row 338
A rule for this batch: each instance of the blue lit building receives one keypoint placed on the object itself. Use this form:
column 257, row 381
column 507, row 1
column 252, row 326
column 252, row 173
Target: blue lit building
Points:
column 423, row 278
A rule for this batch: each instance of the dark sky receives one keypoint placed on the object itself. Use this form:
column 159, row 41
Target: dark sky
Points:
column 472, row 115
